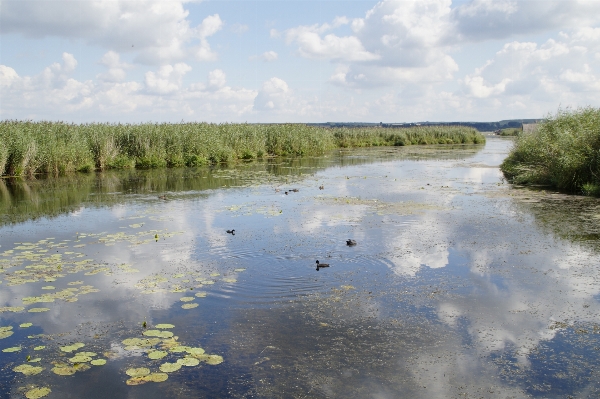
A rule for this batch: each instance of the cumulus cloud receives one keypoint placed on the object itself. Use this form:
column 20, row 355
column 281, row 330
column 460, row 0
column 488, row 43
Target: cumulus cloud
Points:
column 158, row 31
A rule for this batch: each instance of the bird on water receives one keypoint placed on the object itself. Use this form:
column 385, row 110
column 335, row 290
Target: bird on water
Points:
column 321, row 265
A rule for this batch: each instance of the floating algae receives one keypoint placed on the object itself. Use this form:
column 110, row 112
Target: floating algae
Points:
column 37, row 393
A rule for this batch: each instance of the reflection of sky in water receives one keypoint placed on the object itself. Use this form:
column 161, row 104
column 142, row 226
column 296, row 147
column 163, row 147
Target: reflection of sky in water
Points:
column 452, row 290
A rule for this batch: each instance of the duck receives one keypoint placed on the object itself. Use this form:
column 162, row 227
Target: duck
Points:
column 162, row 197
column 320, row 265
column 294, row 190
column 350, row 242
column 321, row 187
column 232, row 232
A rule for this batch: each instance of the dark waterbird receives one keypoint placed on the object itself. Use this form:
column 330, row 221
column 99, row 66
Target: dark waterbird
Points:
column 350, row 242
column 232, row 232
column 321, row 265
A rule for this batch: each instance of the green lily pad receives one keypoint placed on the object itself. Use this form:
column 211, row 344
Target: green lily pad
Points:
column 49, row 287
column 27, row 369
column 230, row 280
column 188, row 361
column 157, row 355
column 201, row 294
column 180, row 348
column 37, row 393
column 163, row 326
column 186, row 299
column 169, row 367
column 90, row 354
column 13, row 349
column 189, row 306
column 137, row 372
column 158, row 333
column 239, row 270
column 80, row 359
column 195, row 351
column 98, row 362
column 25, row 325
column 72, row 347
column 157, row 377
column 64, row 370
column 5, row 334
column 38, row 310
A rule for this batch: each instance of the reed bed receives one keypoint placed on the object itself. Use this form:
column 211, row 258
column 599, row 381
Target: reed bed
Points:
column 563, row 153
column 56, row 148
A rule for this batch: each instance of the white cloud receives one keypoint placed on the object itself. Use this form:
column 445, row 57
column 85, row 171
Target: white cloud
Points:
column 158, row 31
column 168, row 79
column 116, row 68
column 267, row 56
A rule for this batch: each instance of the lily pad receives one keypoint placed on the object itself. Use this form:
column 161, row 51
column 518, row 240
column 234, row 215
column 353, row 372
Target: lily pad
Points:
column 64, row 370
column 201, row 294
column 186, row 299
column 239, row 270
column 189, row 361
column 5, row 334
column 195, row 351
column 230, row 280
column 28, row 369
column 164, row 326
column 157, row 377
column 137, row 372
column 98, row 362
column 158, row 333
column 189, row 306
column 37, row 393
column 13, row 349
column 38, row 310
column 49, row 287
column 169, row 367
column 25, row 325
column 80, row 359
column 157, row 355
column 72, row 347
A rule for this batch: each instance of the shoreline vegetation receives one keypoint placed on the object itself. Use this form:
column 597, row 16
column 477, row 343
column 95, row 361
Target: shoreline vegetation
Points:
column 56, row 148
column 562, row 153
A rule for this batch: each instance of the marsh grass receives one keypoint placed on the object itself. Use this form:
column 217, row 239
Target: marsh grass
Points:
column 57, row 148
column 511, row 131
column 564, row 153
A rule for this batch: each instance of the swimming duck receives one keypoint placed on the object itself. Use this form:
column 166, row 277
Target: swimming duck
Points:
column 350, row 242
column 162, row 197
column 232, row 232
column 320, row 265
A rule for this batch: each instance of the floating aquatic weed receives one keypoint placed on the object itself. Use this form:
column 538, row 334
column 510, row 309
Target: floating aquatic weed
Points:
column 72, row 347
column 14, row 309
column 186, row 299
column 13, row 349
column 189, row 306
column 201, row 294
column 188, row 361
column 27, row 369
column 98, row 362
column 158, row 333
column 37, row 393
column 6, row 332
column 169, row 367
column 164, row 326
column 39, row 348
column 38, row 310
column 25, row 325
column 137, row 372
column 155, row 355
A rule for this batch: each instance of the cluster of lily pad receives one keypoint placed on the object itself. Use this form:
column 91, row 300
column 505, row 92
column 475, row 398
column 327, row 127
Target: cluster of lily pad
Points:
column 180, row 283
column 78, row 362
column 159, row 344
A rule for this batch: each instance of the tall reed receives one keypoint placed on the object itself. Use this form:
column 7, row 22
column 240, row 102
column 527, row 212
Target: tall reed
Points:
column 564, row 153
column 57, row 148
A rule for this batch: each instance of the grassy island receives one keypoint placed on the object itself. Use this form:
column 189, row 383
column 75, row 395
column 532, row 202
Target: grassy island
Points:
column 56, row 148
column 563, row 153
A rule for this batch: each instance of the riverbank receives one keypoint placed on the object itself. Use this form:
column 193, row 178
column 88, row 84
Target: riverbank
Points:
column 562, row 153
column 56, row 148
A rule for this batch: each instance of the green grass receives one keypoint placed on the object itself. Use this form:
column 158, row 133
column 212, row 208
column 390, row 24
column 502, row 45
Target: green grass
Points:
column 564, row 153
column 57, row 148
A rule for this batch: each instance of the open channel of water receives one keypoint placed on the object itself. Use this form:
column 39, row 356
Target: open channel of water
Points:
column 127, row 285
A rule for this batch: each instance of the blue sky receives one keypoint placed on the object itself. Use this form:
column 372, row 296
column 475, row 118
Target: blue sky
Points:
column 296, row 61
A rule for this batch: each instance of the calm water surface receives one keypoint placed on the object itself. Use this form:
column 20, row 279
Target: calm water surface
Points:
column 460, row 286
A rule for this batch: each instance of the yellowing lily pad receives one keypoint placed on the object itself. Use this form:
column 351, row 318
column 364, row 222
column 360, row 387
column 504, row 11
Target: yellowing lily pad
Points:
column 239, row 270
column 38, row 310
column 49, row 287
column 158, row 333
column 137, row 372
column 13, row 349
column 215, row 274
column 164, row 326
column 5, row 334
column 157, row 355
column 28, row 369
column 201, row 294
column 98, row 362
column 80, row 359
column 25, row 325
column 186, row 299
column 37, row 393
column 189, row 306
column 189, row 361
column 169, row 367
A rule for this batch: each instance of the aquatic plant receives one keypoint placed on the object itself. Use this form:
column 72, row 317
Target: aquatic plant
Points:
column 564, row 153
column 57, row 148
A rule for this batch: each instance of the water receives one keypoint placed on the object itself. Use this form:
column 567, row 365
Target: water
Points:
column 459, row 285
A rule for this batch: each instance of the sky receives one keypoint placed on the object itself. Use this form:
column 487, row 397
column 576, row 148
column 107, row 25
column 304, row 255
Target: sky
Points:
column 221, row 61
